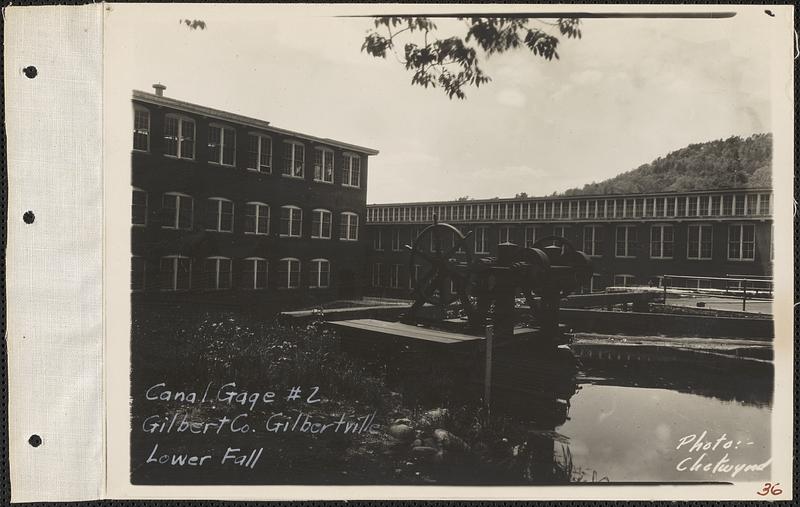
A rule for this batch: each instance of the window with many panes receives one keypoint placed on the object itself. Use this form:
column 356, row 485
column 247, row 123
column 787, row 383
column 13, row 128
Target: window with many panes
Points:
column 506, row 234
column 741, row 242
column 138, row 268
column 293, row 159
column 217, row 272
column 376, row 274
column 531, row 235
column 176, row 273
column 351, row 172
column 395, row 236
column 141, row 129
column 394, row 276
column 348, row 226
column 221, row 145
column 219, row 215
column 320, row 274
column 626, row 241
column 289, row 273
column 623, row 280
column 254, row 273
column 481, row 240
column 323, row 165
column 139, row 207
column 259, row 153
column 661, row 241
column 178, row 211
column 592, row 240
column 321, row 224
column 256, row 218
column 377, row 240
column 699, row 242
column 179, row 136
column 291, row 221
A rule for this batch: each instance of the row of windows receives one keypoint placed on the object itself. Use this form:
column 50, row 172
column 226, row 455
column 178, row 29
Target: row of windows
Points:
column 179, row 142
column 741, row 240
column 216, row 273
column 177, row 212
column 736, row 204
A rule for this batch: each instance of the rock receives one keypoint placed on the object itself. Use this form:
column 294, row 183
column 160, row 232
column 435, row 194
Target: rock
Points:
column 434, row 417
column 401, row 432
column 425, row 452
column 417, row 443
column 450, row 442
column 404, row 420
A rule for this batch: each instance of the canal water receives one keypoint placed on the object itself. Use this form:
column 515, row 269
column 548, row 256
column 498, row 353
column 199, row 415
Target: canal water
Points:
column 632, row 434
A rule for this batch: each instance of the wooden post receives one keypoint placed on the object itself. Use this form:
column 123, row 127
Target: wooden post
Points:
column 487, row 383
column 744, row 295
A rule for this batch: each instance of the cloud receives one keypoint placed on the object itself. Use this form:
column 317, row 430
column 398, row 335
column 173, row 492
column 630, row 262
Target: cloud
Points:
column 511, row 97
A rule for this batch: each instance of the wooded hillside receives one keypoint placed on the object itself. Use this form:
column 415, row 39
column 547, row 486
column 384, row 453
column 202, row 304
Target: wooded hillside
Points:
column 728, row 163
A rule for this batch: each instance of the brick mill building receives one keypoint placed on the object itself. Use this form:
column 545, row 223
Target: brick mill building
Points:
column 632, row 238
column 232, row 211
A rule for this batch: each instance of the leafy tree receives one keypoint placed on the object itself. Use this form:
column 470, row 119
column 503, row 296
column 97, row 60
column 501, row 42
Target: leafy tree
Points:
column 464, row 198
column 521, row 195
column 452, row 62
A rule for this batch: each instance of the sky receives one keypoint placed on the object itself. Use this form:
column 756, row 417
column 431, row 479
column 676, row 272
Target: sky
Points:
column 627, row 92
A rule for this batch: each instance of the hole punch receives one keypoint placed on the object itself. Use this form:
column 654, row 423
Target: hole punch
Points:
column 35, row 440
column 30, row 71
column 28, row 217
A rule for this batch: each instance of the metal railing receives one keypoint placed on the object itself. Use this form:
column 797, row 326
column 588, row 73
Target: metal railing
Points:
column 755, row 287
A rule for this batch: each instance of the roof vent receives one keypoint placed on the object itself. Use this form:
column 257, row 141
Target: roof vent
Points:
column 159, row 88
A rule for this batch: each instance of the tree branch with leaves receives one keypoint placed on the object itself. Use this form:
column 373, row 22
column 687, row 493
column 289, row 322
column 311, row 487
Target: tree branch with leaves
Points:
column 452, row 63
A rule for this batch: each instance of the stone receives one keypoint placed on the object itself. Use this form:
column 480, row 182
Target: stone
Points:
column 401, row 432
column 449, row 442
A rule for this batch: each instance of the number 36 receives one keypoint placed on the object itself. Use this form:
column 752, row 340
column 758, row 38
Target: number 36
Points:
column 770, row 489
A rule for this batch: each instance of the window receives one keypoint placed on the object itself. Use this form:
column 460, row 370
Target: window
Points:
column 141, row 129
column 626, row 241
column 349, row 226
column 178, row 137
column 219, row 215
column 396, row 240
column 217, row 273
column 178, row 211
column 259, row 153
column 323, row 165
column 592, row 240
column 289, row 273
column 320, row 273
column 376, row 274
column 254, row 273
column 291, row 222
column 138, row 268
column 321, row 224
column 505, row 234
column 481, row 245
column 221, row 145
column 256, row 218
column 531, row 234
column 699, row 242
column 741, row 242
column 139, row 207
column 764, row 204
column 351, row 172
column 293, row 159
column 377, row 240
column 561, row 231
column 661, row 241
column 414, row 276
column 623, row 280
column 176, row 273
column 394, row 276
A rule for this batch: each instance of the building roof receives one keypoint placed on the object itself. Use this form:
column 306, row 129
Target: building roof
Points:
column 576, row 197
column 188, row 107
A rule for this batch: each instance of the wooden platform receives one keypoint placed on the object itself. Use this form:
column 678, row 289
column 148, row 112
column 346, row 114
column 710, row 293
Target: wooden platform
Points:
column 397, row 332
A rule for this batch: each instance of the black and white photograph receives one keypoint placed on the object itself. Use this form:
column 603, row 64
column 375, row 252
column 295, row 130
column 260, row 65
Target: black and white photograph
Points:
column 450, row 246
